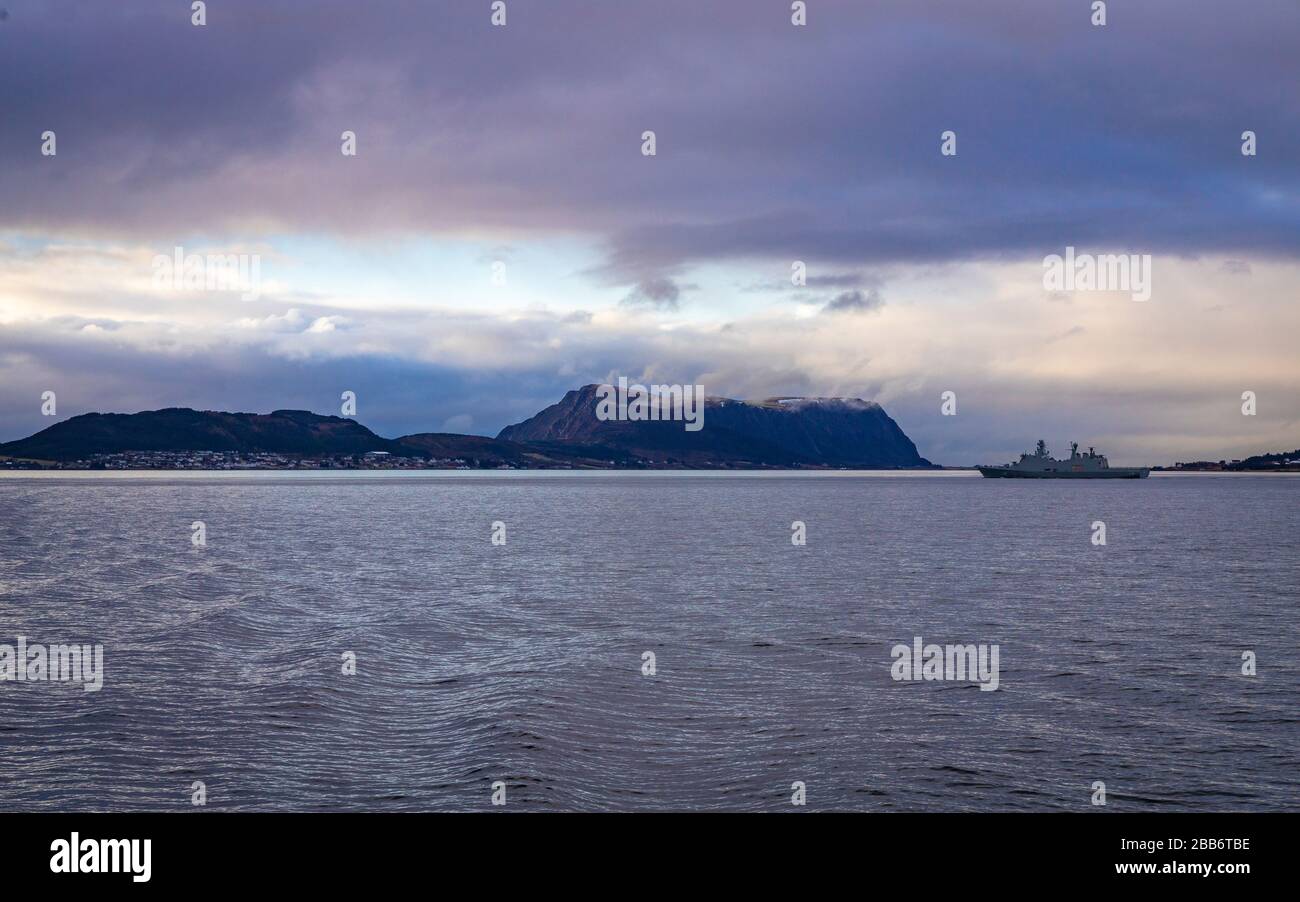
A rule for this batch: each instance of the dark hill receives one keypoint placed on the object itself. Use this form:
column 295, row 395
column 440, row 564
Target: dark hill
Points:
column 839, row 432
column 297, row 432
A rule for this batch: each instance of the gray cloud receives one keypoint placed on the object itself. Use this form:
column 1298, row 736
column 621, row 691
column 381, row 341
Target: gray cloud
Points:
column 660, row 292
column 854, row 302
column 831, row 280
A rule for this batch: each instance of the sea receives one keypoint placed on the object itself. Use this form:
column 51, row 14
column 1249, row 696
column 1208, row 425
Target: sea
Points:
column 632, row 641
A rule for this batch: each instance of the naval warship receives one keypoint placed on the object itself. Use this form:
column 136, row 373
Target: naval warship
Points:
column 1041, row 465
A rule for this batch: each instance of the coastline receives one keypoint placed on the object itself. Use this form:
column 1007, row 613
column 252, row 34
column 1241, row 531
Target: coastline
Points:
column 294, row 475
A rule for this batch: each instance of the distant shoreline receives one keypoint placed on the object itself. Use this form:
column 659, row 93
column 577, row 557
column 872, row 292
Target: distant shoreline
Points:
column 274, row 463
column 284, row 464
column 556, row 472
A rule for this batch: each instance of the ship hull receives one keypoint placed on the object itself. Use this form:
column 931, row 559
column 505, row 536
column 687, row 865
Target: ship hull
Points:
column 1111, row 473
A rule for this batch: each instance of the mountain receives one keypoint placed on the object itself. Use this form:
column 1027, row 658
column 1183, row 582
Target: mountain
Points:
column 804, row 432
column 836, row 432
column 297, row 432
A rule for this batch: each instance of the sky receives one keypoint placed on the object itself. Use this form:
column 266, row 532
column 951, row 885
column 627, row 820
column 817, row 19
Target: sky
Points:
column 500, row 237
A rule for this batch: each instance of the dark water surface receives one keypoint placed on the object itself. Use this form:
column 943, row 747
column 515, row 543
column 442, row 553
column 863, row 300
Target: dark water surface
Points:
column 522, row 663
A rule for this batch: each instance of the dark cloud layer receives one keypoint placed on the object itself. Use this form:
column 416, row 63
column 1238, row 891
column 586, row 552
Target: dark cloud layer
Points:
column 816, row 143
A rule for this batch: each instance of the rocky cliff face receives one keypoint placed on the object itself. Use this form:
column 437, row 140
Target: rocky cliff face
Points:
column 837, row 432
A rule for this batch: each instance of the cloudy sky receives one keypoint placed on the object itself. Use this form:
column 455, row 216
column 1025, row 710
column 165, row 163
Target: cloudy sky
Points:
column 517, row 151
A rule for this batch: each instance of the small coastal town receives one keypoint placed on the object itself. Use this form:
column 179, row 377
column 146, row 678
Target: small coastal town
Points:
column 237, row 460
column 1263, row 463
